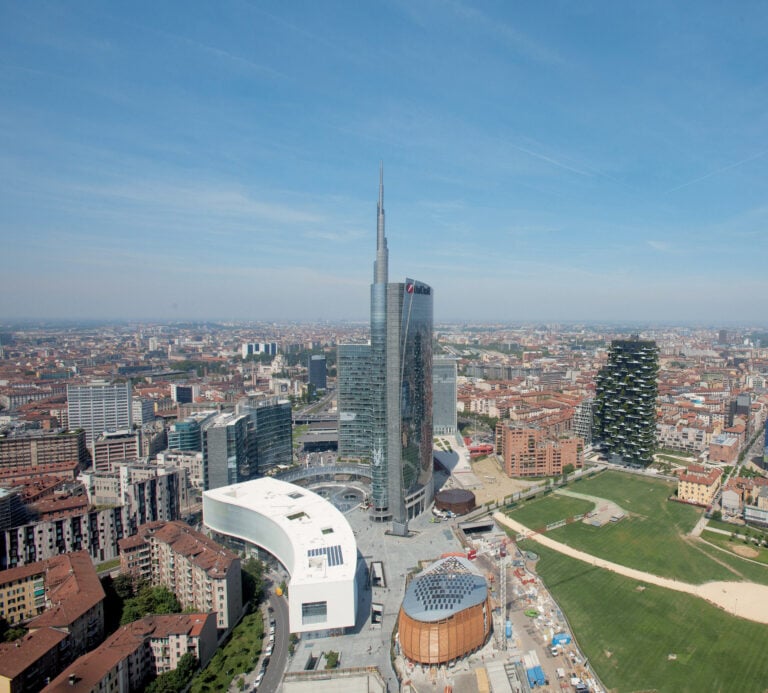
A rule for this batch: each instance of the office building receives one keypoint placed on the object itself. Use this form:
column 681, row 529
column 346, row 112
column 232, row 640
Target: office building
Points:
column 310, row 537
column 184, row 394
column 444, row 395
column 583, row 416
column 270, row 435
column 625, row 401
column 119, row 446
column 317, row 372
column 98, row 408
column 353, row 392
column 142, row 410
column 185, row 435
column 225, row 450
column 255, row 348
column 401, row 390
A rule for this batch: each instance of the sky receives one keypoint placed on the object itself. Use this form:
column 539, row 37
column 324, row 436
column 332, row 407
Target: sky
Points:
column 559, row 161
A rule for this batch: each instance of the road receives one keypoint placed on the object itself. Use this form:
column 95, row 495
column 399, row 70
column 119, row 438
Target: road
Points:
column 279, row 658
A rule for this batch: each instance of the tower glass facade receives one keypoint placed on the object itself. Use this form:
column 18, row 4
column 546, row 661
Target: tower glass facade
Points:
column 354, row 401
column 444, row 395
column 270, row 435
column 625, row 401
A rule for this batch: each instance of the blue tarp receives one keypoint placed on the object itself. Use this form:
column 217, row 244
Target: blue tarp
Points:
column 561, row 639
column 536, row 677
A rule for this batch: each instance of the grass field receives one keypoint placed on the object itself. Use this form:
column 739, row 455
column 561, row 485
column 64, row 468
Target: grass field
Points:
column 541, row 511
column 238, row 656
column 737, row 546
column 652, row 538
column 628, row 633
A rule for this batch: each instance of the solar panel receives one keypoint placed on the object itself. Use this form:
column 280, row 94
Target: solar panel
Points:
column 333, row 553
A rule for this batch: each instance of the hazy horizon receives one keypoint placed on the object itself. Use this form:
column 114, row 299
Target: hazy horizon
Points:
column 590, row 162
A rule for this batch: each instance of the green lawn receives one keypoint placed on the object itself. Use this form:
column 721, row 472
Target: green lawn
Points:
column 733, row 545
column 628, row 633
column 552, row 507
column 652, row 538
column 238, row 656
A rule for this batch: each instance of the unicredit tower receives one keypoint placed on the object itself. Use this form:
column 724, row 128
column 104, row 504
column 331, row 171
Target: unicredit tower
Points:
column 400, row 390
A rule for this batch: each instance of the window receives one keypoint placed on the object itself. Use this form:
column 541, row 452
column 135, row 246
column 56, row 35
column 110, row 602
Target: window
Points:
column 314, row 612
column 297, row 516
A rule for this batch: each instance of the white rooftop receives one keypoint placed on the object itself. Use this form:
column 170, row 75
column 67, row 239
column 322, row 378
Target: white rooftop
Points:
column 323, row 543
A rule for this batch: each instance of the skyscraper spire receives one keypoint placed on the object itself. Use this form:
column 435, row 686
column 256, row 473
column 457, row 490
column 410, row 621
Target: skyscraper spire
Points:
column 381, row 265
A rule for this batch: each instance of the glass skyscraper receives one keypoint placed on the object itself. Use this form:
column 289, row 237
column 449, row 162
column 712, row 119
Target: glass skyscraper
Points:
column 354, row 401
column 444, row 394
column 400, row 381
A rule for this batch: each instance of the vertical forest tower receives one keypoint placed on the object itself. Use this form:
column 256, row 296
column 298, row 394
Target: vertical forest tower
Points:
column 625, row 401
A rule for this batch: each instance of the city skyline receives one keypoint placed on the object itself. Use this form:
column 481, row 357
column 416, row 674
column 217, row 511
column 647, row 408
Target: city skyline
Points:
column 591, row 164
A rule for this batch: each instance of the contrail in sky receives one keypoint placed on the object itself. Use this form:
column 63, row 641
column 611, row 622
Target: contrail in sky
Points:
column 719, row 170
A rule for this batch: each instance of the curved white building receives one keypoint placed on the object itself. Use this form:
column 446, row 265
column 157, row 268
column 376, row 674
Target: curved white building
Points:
column 306, row 533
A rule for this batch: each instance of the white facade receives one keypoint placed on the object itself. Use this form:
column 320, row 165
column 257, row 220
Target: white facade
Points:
column 308, row 535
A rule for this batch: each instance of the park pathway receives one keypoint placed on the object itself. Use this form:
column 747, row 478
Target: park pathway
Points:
column 747, row 600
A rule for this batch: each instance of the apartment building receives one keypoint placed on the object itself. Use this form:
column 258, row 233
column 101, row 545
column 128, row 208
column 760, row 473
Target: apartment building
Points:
column 145, row 648
column 135, row 494
column 36, row 448
column 698, row 485
column 528, row 452
column 61, row 601
column 201, row 573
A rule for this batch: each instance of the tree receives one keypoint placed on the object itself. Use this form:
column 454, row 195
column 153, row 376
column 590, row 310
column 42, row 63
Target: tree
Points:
column 176, row 680
column 123, row 585
column 252, row 575
column 150, row 600
column 567, row 470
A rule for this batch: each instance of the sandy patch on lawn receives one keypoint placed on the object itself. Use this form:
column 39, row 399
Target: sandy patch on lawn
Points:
column 745, row 551
column 747, row 600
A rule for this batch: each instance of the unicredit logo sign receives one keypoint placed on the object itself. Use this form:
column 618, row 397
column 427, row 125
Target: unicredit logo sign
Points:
column 413, row 289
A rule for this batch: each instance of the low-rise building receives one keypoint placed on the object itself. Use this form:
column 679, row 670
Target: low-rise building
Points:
column 135, row 653
column 698, row 485
column 724, row 449
column 61, row 601
column 201, row 573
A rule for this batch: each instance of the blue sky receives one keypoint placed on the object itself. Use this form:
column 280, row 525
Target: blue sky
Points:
column 543, row 161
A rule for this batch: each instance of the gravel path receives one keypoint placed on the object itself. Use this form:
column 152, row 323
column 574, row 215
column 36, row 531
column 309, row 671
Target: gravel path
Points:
column 747, row 600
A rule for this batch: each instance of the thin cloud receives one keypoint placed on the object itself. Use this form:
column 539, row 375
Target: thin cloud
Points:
column 723, row 169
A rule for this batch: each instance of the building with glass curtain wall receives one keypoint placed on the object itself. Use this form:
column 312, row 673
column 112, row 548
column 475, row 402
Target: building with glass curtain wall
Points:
column 353, row 394
column 270, row 434
column 444, row 395
column 400, row 390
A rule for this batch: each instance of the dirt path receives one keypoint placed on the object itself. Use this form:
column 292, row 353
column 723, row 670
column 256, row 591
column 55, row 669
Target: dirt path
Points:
column 747, row 600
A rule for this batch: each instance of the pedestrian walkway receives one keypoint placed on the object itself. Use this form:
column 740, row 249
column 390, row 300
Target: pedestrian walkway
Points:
column 747, row 600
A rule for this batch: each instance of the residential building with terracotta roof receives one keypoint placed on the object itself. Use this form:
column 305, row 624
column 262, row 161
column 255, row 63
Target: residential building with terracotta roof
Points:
column 201, row 573
column 61, row 601
column 139, row 651
column 698, row 485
